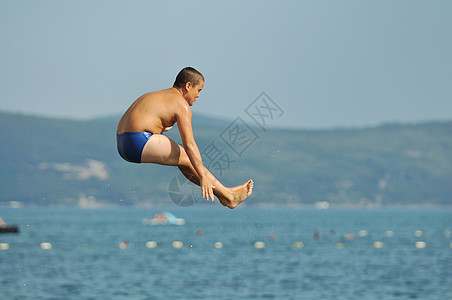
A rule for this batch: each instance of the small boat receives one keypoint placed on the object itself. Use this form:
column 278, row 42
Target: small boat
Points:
column 9, row 229
column 164, row 218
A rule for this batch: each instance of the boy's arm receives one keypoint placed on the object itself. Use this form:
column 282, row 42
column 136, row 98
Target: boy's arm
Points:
column 183, row 119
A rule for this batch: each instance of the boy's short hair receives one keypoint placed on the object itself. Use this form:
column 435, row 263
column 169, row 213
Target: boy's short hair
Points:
column 188, row 74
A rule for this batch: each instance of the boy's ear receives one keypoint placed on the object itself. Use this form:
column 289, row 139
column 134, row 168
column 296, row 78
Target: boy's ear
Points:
column 187, row 86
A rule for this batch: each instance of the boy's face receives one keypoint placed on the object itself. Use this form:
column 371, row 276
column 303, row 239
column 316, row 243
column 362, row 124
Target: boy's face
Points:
column 193, row 92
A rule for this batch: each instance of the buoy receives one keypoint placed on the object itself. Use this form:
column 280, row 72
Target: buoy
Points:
column 298, row 245
column 420, row 245
column 349, row 236
column 151, row 244
column 123, row 245
column 340, row 245
column 177, row 244
column 46, row 246
column 4, row 246
column 378, row 245
column 316, row 234
column 418, row 233
column 389, row 233
column 362, row 233
column 218, row 245
column 259, row 245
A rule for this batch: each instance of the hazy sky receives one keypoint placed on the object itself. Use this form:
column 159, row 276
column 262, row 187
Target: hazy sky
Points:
column 325, row 63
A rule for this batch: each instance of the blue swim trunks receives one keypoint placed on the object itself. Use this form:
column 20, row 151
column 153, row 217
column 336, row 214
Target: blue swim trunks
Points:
column 131, row 144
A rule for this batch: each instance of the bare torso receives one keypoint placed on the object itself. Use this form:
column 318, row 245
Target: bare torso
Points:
column 154, row 112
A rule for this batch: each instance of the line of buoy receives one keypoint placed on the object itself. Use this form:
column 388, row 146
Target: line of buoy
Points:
column 260, row 244
column 217, row 245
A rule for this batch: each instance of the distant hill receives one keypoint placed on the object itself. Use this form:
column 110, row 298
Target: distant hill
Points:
column 47, row 161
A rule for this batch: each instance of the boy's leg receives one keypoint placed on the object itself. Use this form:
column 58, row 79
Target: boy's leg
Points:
column 161, row 150
column 233, row 197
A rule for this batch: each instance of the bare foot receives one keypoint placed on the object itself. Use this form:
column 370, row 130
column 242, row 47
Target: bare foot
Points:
column 239, row 194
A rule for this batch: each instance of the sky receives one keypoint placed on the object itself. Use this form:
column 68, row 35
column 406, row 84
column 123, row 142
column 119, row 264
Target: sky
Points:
column 326, row 63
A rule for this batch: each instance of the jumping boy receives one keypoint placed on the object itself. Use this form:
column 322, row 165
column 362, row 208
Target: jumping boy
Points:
column 140, row 139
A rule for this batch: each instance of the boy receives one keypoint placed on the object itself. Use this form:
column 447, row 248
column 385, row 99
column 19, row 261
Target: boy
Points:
column 140, row 139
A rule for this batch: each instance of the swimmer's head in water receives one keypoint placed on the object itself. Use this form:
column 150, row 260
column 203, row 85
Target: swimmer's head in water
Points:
column 188, row 74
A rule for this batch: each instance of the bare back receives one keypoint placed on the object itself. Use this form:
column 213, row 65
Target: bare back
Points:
column 154, row 112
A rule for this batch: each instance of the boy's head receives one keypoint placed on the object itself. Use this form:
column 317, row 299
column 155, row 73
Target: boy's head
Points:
column 188, row 74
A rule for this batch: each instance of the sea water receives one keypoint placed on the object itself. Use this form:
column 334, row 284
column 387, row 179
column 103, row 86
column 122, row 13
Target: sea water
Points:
column 248, row 253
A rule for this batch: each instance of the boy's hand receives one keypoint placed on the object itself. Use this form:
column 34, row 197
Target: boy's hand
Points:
column 207, row 189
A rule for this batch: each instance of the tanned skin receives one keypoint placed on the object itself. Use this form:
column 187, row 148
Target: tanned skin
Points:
column 157, row 112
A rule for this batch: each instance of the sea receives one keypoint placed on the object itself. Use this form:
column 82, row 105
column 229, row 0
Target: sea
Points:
column 246, row 253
